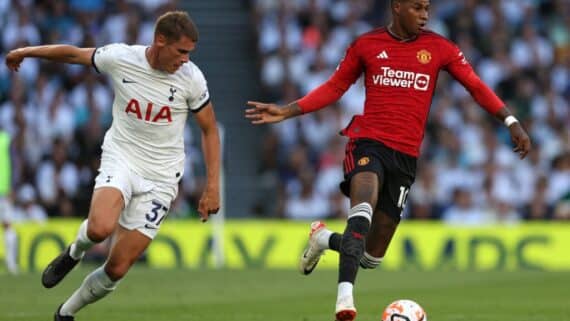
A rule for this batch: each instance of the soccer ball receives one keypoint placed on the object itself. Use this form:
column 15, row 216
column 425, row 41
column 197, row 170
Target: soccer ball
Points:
column 404, row 310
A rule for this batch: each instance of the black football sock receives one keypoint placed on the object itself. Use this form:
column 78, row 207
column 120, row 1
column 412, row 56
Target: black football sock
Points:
column 352, row 244
column 334, row 241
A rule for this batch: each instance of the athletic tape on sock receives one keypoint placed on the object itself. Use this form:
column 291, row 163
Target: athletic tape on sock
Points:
column 363, row 210
column 368, row 261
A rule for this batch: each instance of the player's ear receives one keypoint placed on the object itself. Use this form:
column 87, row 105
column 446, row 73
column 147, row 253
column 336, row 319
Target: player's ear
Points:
column 160, row 40
column 396, row 6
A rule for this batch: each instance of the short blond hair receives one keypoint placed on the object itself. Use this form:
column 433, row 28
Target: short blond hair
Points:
column 175, row 24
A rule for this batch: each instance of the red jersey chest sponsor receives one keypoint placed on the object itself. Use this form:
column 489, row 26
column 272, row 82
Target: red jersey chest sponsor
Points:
column 394, row 66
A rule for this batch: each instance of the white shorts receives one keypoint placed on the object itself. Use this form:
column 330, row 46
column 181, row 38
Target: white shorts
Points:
column 147, row 202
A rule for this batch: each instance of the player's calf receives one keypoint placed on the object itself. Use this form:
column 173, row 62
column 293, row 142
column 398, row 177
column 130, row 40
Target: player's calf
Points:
column 95, row 286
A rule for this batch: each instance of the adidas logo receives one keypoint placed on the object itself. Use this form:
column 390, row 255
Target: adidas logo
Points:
column 382, row 55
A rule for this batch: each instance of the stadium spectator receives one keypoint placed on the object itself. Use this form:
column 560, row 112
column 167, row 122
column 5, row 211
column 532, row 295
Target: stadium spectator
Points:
column 462, row 210
column 58, row 181
column 26, row 207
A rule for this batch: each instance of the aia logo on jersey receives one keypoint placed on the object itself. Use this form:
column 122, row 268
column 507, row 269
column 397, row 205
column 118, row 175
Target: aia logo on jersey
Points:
column 424, row 56
column 163, row 114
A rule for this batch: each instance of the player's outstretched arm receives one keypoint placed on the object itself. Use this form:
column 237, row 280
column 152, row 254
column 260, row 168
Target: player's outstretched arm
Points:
column 262, row 113
column 518, row 134
column 461, row 70
column 57, row 53
column 210, row 200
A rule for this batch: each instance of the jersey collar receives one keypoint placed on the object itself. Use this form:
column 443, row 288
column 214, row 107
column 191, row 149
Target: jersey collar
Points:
column 397, row 38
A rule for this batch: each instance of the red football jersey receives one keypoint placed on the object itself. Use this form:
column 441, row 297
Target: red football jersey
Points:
column 400, row 79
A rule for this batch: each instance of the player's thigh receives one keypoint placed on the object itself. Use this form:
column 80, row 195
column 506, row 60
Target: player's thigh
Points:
column 112, row 193
column 106, row 201
column 363, row 172
column 381, row 233
column 106, row 206
column 364, row 187
column 127, row 247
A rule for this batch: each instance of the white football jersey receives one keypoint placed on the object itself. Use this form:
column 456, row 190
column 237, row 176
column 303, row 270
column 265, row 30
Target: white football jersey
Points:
column 149, row 110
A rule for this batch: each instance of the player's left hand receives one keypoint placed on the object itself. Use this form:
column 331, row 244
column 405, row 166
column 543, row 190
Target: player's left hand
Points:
column 262, row 113
column 14, row 59
column 209, row 203
column 520, row 140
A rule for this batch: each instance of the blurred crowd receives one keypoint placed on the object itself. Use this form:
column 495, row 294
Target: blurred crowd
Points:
column 56, row 114
column 467, row 173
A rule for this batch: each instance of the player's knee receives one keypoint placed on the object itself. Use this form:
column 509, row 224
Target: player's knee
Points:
column 98, row 230
column 98, row 234
column 117, row 270
column 368, row 261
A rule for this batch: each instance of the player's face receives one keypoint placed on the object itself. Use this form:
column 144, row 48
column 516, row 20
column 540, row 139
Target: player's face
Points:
column 173, row 54
column 413, row 15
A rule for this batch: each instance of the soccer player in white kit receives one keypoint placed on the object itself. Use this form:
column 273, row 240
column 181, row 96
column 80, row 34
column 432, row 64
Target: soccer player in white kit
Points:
column 143, row 151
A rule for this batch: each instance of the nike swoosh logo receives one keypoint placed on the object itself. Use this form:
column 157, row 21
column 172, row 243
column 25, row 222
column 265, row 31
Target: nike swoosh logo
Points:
column 125, row 81
column 150, row 227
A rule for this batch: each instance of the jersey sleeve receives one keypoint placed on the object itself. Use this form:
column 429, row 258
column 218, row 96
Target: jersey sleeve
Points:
column 105, row 58
column 458, row 66
column 349, row 69
column 199, row 95
column 347, row 72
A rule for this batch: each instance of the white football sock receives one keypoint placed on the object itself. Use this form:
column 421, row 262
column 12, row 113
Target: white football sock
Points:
column 11, row 240
column 323, row 239
column 95, row 286
column 82, row 243
column 344, row 289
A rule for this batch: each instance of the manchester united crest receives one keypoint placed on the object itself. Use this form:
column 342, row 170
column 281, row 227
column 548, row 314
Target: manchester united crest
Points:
column 363, row 161
column 424, row 56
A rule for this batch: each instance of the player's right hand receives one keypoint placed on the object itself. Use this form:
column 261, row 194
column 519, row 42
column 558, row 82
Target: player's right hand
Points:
column 209, row 203
column 262, row 113
column 520, row 140
column 14, row 59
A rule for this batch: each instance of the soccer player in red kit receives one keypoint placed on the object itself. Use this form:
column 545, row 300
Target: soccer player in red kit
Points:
column 400, row 63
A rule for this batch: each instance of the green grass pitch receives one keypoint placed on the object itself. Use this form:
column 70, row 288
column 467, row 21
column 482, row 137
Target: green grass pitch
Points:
column 262, row 295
